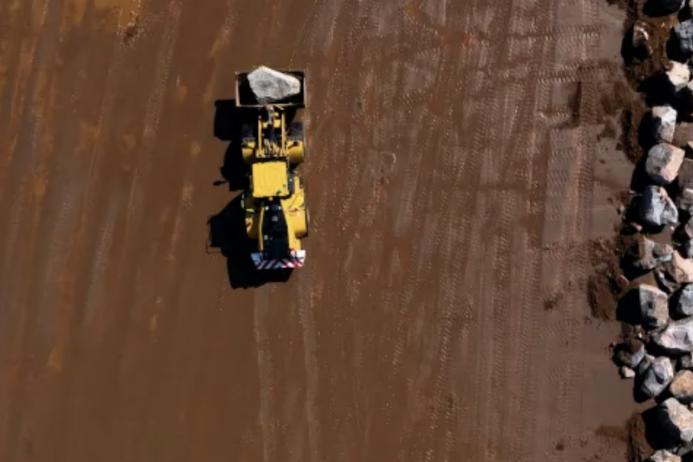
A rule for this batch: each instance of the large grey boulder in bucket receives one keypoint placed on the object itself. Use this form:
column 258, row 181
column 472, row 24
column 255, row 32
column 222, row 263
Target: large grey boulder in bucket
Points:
column 269, row 85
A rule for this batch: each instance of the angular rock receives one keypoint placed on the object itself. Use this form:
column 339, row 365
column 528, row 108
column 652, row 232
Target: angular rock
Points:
column 664, row 161
column 630, row 354
column 656, row 208
column 678, row 75
column 677, row 337
column 679, row 269
column 683, row 34
column 665, row 281
column 681, row 387
column 645, row 254
column 653, row 304
column 676, row 420
column 684, row 200
column 664, row 123
column 663, row 456
column 683, row 302
column 657, row 377
column 270, row 85
column 626, row 372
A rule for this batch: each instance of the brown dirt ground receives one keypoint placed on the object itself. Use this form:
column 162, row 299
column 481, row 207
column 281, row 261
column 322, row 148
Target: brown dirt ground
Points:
column 456, row 179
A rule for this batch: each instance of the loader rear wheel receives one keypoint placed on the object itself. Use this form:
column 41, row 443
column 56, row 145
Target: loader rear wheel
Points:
column 296, row 153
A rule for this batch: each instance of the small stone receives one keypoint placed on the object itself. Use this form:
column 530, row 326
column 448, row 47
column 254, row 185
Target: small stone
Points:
column 656, row 208
column 681, row 387
column 627, row 372
column 664, row 123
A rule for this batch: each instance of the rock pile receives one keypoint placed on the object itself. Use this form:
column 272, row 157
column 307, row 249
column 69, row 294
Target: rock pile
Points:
column 657, row 259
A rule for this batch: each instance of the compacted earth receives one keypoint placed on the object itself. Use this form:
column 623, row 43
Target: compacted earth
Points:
column 463, row 173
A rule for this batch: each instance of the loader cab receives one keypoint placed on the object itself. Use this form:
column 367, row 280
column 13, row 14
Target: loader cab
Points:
column 271, row 179
column 275, row 232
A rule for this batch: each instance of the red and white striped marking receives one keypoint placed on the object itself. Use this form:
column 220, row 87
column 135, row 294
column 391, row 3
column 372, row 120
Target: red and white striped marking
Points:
column 295, row 260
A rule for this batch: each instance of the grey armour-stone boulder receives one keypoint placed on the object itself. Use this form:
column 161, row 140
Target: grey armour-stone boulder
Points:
column 678, row 75
column 646, row 254
column 663, row 162
column 653, row 304
column 657, row 377
column 675, row 420
column 270, row 85
column 664, row 121
column 681, row 387
column 683, row 302
column 677, row 337
column 656, row 208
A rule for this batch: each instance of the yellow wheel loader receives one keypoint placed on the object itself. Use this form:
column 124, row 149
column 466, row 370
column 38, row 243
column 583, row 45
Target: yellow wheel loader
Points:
column 274, row 204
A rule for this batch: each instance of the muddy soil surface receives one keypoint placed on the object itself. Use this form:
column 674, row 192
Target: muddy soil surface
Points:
column 462, row 162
